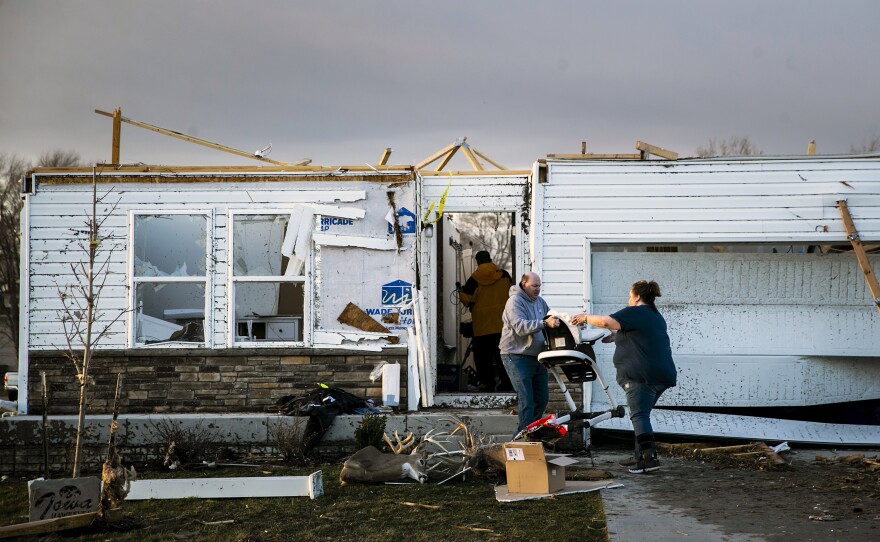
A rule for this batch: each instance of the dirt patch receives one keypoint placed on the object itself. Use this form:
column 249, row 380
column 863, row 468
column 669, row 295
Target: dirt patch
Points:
column 819, row 495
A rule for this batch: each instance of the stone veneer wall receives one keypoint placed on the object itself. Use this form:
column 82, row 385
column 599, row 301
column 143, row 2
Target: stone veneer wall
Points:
column 200, row 380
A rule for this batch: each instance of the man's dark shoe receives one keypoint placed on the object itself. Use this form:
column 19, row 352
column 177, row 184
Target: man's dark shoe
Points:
column 644, row 466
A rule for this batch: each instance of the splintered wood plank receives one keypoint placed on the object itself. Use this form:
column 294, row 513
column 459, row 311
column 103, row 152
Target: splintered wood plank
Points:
column 48, row 525
column 859, row 249
column 593, row 156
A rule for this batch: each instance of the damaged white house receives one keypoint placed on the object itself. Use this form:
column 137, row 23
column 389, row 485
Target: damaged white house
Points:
column 236, row 282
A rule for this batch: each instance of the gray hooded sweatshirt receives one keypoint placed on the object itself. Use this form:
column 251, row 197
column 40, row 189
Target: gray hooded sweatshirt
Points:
column 523, row 324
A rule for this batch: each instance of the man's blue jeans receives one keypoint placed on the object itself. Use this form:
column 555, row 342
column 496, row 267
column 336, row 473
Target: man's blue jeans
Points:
column 529, row 379
column 641, row 398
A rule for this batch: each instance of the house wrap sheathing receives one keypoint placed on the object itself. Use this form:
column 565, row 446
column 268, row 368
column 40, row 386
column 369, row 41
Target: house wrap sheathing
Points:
column 759, row 314
column 254, row 265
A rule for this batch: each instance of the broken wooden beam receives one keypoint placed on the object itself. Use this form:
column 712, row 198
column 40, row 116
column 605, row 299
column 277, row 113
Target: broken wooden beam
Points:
column 594, row 156
column 859, row 249
column 52, row 525
column 729, row 449
column 647, row 149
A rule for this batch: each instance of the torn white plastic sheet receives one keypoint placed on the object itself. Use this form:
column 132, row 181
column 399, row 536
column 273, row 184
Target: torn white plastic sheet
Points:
column 413, row 389
column 298, row 238
column 225, row 488
column 375, row 243
column 362, row 340
column 781, row 447
column 339, row 212
column 377, row 371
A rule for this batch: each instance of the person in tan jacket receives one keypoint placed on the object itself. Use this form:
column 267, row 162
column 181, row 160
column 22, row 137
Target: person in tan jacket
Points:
column 485, row 294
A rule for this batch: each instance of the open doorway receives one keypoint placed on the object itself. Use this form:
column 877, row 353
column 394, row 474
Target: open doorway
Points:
column 460, row 237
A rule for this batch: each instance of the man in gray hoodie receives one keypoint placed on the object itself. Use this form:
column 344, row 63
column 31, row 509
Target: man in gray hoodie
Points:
column 524, row 319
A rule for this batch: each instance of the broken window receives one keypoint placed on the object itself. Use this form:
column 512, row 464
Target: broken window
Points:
column 170, row 277
column 268, row 261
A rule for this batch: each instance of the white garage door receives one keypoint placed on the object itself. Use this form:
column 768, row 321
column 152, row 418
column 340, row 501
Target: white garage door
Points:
column 751, row 329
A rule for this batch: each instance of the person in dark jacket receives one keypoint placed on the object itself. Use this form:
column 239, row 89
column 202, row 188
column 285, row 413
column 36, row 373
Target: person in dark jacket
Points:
column 485, row 294
column 522, row 339
column 643, row 358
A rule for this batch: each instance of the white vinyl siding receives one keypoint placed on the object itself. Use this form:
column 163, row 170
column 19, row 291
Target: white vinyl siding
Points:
column 661, row 202
column 748, row 328
column 57, row 227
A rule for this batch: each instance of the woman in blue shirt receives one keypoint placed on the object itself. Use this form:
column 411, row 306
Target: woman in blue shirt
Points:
column 643, row 359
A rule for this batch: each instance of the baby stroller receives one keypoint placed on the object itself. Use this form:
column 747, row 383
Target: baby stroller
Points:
column 577, row 360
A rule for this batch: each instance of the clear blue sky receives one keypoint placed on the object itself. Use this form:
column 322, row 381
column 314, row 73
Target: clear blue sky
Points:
column 339, row 81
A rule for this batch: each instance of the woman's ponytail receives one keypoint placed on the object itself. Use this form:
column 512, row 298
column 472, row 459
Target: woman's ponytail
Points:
column 647, row 291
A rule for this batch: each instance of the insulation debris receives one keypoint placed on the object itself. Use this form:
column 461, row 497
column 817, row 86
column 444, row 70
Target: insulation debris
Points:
column 356, row 317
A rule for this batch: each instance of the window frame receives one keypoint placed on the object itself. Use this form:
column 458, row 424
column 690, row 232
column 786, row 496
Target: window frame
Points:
column 232, row 280
column 207, row 280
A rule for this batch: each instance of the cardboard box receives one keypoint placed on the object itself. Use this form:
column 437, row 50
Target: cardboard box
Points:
column 530, row 471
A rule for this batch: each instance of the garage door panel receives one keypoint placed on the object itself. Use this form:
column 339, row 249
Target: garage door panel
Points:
column 748, row 303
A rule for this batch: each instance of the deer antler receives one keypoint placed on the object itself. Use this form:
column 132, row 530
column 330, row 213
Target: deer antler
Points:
column 402, row 446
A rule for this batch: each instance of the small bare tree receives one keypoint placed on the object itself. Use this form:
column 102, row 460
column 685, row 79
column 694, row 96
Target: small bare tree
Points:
column 872, row 144
column 732, row 146
column 59, row 158
column 12, row 168
column 80, row 314
column 488, row 231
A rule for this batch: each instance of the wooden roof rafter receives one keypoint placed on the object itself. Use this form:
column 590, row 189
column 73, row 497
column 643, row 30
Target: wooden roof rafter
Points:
column 470, row 153
column 645, row 150
column 118, row 119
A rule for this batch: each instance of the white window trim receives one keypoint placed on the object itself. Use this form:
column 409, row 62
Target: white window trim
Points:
column 306, row 280
column 207, row 280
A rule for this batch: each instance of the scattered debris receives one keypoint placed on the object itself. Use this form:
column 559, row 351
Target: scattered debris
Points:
column 356, row 317
column 754, row 455
column 872, row 464
column 420, row 505
column 474, row 529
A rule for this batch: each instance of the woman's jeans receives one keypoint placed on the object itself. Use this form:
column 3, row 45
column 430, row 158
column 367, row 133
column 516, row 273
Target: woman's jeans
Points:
column 641, row 398
column 529, row 379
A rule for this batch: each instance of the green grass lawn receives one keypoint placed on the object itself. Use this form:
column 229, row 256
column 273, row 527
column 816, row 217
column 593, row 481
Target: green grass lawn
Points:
column 465, row 511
